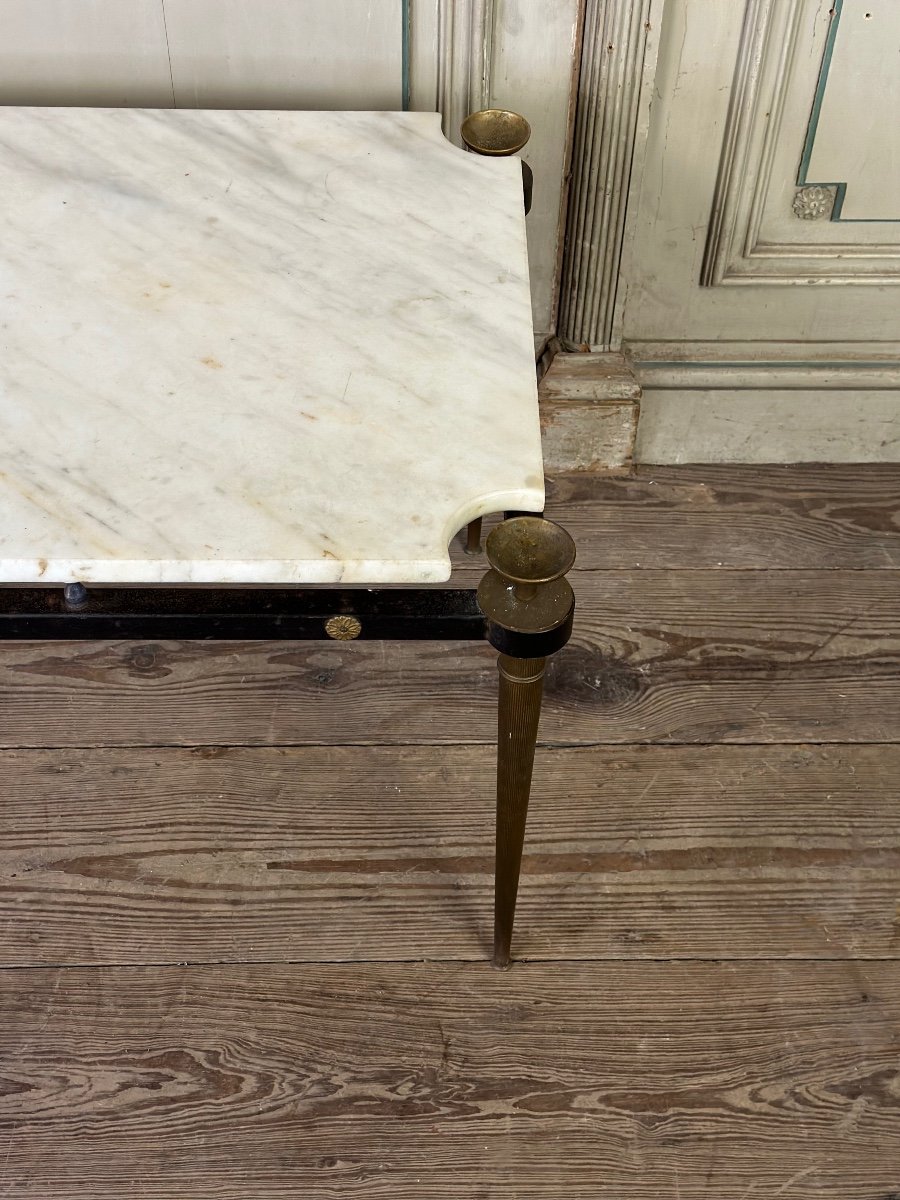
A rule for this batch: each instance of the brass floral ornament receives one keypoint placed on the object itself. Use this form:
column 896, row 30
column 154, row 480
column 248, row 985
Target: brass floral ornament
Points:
column 813, row 202
column 343, row 629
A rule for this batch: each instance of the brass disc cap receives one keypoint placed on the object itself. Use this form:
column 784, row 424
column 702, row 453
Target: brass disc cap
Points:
column 495, row 131
column 547, row 609
column 525, row 591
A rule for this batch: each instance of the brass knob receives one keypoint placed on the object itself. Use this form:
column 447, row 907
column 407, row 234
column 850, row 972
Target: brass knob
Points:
column 495, row 131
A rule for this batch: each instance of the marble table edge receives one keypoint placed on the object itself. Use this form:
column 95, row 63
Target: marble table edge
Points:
column 298, row 572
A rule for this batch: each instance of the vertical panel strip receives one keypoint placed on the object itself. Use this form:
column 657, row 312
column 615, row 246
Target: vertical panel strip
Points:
column 404, row 85
column 449, row 54
column 464, row 33
column 610, row 94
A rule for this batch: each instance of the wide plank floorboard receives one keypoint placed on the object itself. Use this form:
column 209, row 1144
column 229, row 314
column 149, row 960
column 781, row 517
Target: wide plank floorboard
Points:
column 822, row 516
column 373, row 853
column 552, row 1080
column 245, row 889
column 577, row 1080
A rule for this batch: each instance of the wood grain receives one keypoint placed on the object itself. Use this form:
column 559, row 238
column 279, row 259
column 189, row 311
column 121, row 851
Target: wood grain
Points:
column 367, row 853
column 596, row 377
column 677, row 1031
column 733, row 517
column 409, row 1081
column 657, row 656
column 588, row 435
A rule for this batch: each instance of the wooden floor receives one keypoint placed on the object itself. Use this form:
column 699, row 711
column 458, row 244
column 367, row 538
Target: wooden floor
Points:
column 245, row 889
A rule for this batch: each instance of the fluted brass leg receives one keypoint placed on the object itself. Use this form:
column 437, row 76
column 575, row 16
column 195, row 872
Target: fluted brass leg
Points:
column 521, row 688
column 473, row 536
column 529, row 607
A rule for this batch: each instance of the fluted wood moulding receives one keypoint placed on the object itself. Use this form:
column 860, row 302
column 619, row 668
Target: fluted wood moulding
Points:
column 608, row 131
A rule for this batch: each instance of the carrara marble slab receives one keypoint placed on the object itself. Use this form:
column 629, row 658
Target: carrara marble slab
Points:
column 256, row 347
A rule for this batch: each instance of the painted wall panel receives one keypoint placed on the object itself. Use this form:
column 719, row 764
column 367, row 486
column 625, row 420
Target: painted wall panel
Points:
column 531, row 72
column 519, row 54
column 762, row 324
column 861, row 75
column 331, row 54
column 94, row 52
column 733, row 95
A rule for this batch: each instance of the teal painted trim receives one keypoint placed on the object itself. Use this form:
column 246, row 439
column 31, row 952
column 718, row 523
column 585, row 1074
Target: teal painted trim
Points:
column 840, row 188
column 404, row 17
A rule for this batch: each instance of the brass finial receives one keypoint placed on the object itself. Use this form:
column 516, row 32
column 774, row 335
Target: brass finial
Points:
column 525, row 591
column 530, row 550
column 495, row 131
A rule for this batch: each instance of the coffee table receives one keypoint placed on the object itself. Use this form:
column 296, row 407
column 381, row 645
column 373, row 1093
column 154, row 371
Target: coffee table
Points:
column 257, row 370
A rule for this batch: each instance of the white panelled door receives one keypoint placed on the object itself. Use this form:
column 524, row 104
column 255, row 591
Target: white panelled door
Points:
column 763, row 306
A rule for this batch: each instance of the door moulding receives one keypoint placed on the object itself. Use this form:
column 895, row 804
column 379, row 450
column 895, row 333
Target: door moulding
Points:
column 766, row 366
column 450, row 56
column 774, row 37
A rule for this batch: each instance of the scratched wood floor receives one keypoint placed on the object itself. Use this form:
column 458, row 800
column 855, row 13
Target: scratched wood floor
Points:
column 245, row 889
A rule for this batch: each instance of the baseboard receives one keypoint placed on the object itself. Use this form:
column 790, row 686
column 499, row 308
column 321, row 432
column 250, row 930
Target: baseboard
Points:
column 773, row 377
column 767, row 402
column 589, row 413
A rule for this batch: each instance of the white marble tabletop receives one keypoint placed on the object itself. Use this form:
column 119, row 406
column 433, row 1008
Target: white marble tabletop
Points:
column 256, row 347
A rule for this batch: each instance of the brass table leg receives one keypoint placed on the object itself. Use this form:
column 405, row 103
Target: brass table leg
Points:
column 473, row 536
column 518, row 713
column 529, row 607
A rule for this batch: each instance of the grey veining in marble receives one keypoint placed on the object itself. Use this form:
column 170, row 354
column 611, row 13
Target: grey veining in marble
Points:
column 256, row 347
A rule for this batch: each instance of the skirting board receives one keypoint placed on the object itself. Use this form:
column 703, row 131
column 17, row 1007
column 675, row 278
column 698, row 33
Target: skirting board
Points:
column 589, row 413
column 741, row 426
column 768, row 402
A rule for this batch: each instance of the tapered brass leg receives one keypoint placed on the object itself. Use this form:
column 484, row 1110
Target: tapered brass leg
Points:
column 519, row 710
column 473, row 536
column 529, row 608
